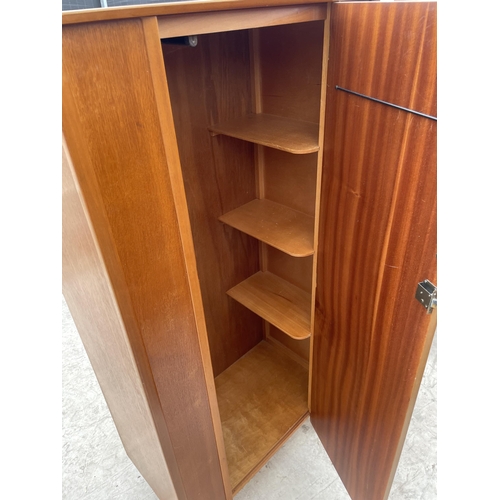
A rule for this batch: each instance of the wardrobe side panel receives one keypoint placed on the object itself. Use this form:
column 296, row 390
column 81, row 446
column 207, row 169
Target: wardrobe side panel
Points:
column 113, row 124
column 113, row 344
column 208, row 84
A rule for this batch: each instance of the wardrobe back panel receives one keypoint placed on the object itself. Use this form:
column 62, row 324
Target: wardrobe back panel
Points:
column 290, row 179
column 290, row 61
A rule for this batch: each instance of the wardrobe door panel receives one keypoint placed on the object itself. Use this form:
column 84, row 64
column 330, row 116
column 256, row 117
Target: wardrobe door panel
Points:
column 377, row 238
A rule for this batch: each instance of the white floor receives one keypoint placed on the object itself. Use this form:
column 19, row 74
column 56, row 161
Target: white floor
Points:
column 95, row 466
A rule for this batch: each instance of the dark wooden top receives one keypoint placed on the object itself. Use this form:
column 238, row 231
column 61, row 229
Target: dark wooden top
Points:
column 163, row 9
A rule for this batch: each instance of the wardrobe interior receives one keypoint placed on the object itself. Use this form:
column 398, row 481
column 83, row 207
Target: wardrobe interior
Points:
column 248, row 111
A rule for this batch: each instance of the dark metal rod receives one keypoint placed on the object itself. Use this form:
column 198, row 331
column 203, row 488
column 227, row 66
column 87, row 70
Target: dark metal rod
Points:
column 191, row 41
column 387, row 103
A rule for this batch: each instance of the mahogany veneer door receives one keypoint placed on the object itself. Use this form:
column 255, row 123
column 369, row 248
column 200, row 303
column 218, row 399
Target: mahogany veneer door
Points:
column 377, row 238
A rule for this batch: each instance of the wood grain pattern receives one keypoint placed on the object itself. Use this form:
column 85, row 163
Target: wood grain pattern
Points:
column 291, row 135
column 290, row 179
column 277, row 301
column 319, row 177
column 277, row 225
column 123, row 171
column 393, row 75
column 262, row 399
column 166, row 120
column 377, row 240
column 296, row 271
column 293, row 68
column 413, row 397
column 128, row 12
column 290, row 60
column 215, row 22
column 116, row 352
column 219, row 176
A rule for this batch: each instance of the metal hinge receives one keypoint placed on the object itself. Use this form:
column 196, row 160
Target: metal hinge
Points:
column 427, row 295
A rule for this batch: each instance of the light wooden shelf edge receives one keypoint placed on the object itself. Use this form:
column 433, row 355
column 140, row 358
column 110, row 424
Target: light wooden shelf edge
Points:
column 285, row 134
column 282, row 304
column 281, row 227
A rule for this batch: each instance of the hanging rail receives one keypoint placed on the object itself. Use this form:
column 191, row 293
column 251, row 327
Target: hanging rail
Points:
column 387, row 103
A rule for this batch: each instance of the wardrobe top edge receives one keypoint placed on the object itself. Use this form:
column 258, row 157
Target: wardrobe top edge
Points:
column 183, row 7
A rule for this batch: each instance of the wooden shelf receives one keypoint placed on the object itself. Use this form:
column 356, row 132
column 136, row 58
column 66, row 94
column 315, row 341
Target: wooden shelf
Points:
column 281, row 227
column 262, row 399
column 282, row 304
column 293, row 136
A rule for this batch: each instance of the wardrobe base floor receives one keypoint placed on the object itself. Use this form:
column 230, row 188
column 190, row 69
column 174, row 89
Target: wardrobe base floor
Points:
column 262, row 400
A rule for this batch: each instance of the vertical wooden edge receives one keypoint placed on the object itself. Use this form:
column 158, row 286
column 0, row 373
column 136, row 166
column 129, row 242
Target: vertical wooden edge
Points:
column 319, row 171
column 257, row 108
column 259, row 150
column 141, row 368
column 261, row 194
column 256, row 70
column 159, row 78
column 431, row 330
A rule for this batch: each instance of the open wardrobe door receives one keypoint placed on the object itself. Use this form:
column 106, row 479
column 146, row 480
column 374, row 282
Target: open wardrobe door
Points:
column 377, row 238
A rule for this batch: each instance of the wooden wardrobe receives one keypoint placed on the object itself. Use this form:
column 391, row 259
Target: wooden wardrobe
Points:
column 245, row 228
